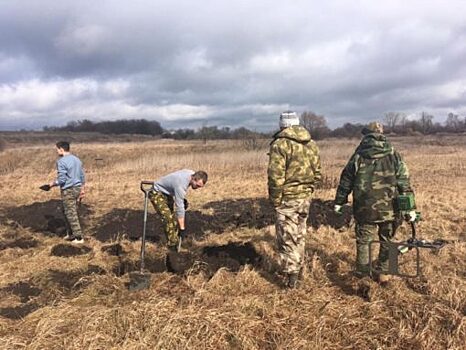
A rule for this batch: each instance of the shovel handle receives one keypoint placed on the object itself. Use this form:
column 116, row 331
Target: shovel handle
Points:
column 145, row 184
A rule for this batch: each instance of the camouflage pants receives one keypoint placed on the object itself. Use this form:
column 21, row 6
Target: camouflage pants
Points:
column 364, row 235
column 70, row 209
column 291, row 231
column 163, row 205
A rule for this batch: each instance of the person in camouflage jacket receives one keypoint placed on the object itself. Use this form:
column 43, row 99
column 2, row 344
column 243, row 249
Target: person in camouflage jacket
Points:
column 375, row 174
column 294, row 169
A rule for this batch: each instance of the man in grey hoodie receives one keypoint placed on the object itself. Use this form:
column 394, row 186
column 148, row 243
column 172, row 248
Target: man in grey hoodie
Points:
column 168, row 199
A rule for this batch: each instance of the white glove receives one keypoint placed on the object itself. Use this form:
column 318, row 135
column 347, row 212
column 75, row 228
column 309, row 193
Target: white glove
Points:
column 337, row 209
column 412, row 216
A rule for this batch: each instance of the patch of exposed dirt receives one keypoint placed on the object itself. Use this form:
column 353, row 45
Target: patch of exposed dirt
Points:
column 45, row 289
column 42, row 217
column 71, row 281
column 66, row 250
column 179, row 263
column 152, row 265
column 18, row 312
column 321, row 213
column 24, row 290
column 231, row 255
column 113, row 249
column 22, row 243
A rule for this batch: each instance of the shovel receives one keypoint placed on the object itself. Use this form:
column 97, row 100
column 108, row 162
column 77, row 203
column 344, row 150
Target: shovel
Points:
column 141, row 280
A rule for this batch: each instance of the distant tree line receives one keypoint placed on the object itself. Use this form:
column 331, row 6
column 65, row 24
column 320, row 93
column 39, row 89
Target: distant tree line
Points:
column 122, row 126
column 394, row 123
column 398, row 123
column 214, row 133
column 146, row 127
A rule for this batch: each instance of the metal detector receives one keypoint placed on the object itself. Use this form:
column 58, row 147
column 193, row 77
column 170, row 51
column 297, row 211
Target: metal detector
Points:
column 395, row 249
column 141, row 280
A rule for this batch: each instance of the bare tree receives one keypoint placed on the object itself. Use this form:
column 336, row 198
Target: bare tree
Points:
column 453, row 122
column 392, row 119
column 426, row 122
column 315, row 124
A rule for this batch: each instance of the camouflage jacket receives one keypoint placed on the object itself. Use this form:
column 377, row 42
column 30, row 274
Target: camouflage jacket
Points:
column 375, row 174
column 294, row 165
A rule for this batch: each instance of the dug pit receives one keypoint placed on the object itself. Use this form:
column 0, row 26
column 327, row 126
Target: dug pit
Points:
column 232, row 255
column 67, row 250
column 113, row 249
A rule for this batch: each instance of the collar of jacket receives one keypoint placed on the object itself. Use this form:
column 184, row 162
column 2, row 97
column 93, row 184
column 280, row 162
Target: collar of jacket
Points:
column 374, row 146
column 295, row 133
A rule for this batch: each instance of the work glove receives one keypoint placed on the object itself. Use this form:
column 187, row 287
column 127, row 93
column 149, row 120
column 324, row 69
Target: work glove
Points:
column 186, row 204
column 45, row 187
column 411, row 216
column 338, row 209
column 182, row 233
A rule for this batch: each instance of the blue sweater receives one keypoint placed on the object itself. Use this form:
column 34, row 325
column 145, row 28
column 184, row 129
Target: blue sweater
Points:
column 175, row 184
column 69, row 172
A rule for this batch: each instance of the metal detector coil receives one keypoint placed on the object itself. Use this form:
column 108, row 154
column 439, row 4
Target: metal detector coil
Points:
column 395, row 249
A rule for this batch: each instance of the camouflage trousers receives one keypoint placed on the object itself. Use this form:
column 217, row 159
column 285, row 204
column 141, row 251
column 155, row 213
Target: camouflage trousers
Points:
column 364, row 235
column 291, row 231
column 163, row 205
column 69, row 198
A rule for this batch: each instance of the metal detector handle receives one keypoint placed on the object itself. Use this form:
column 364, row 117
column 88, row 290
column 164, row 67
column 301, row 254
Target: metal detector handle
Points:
column 413, row 229
column 393, row 255
column 144, row 185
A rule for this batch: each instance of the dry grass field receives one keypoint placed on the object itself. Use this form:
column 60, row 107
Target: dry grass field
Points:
column 223, row 290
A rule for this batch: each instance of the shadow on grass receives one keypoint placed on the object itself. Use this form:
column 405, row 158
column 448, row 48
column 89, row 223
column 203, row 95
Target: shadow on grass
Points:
column 46, row 288
column 218, row 217
column 346, row 282
column 221, row 216
column 128, row 223
column 42, row 217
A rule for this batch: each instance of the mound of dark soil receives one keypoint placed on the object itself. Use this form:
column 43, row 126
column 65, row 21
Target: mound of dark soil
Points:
column 22, row 243
column 23, row 289
column 152, row 265
column 243, row 253
column 66, row 250
column 113, row 249
column 18, row 312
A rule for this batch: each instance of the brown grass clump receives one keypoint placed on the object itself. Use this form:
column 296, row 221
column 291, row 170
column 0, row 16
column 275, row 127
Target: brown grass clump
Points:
column 223, row 291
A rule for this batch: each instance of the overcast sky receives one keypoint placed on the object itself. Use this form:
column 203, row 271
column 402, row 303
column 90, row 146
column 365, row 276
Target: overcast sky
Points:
column 229, row 63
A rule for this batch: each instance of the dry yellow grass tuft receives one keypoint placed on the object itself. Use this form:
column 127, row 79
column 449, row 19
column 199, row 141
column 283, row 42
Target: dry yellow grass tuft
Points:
column 223, row 291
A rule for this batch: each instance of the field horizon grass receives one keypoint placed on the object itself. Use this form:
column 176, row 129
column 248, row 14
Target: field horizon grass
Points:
column 223, row 291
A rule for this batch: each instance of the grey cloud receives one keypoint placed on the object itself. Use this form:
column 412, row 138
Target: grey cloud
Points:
column 345, row 61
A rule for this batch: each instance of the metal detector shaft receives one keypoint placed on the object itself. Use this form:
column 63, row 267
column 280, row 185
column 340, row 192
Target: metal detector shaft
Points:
column 146, row 199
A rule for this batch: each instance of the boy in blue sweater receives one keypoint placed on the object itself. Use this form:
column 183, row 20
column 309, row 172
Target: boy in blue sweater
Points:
column 71, row 179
